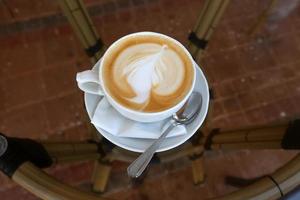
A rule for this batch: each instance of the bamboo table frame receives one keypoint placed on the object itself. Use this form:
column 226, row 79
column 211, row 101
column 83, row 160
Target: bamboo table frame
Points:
column 273, row 186
column 44, row 186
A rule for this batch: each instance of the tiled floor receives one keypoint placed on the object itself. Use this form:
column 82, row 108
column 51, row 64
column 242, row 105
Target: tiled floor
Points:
column 256, row 80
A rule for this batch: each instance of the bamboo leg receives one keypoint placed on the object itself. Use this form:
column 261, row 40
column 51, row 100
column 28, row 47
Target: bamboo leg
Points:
column 272, row 133
column 198, row 170
column 206, row 24
column 86, row 32
column 249, row 145
column 214, row 23
column 39, row 183
column 71, row 152
column 46, row 187
column 256, row 137
column 207, row 21
column 67, row 11
column 101, row 176
column 217, row 19
column 75, row 158
column 205, row 18
column 262, row 18
column 82, row 25
column 64, row 149
column 101, row 173
column 207, row 127
column 287, row 178
column 203, row 12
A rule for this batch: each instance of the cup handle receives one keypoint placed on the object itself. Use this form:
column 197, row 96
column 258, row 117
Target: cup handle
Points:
column 88, row 81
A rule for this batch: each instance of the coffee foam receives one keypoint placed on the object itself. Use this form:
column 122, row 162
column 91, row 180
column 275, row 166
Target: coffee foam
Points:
column 149, row 76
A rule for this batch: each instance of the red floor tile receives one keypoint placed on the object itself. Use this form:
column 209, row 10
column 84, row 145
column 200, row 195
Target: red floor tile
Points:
column 36, row 8
column 248, row 100
column 231, row 105
column 64, row 112
column 60, row 79
column 58, row 47
column 29, row 121
column 21, row 57
column 23, row 90
column 73, row 174
column 284, row 49
column 225, row 66
column 217, row 109
column 257, row 56
column 17, row 193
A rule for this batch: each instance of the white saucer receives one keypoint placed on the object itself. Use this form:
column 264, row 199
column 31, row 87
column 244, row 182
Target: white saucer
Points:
column 139, row 145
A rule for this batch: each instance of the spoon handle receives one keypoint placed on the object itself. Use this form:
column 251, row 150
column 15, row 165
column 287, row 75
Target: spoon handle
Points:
column 136, row 168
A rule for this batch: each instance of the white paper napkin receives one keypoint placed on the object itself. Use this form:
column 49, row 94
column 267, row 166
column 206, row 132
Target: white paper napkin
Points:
column 110, row 120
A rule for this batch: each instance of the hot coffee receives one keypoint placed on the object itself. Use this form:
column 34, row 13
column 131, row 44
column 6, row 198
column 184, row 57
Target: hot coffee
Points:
column 147, row 73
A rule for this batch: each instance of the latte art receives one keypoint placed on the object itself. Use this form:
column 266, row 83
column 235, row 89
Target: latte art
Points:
column 148, row 75
column 149, row 69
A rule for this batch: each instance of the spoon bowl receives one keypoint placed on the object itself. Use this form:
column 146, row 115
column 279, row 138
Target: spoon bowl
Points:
column 184, row 116
column 190, row 109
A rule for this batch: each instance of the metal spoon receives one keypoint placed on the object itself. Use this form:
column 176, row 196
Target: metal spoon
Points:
column 184, row 116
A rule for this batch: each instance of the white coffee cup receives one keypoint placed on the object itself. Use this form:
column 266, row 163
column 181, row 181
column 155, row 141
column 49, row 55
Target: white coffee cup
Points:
column 90, row 81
